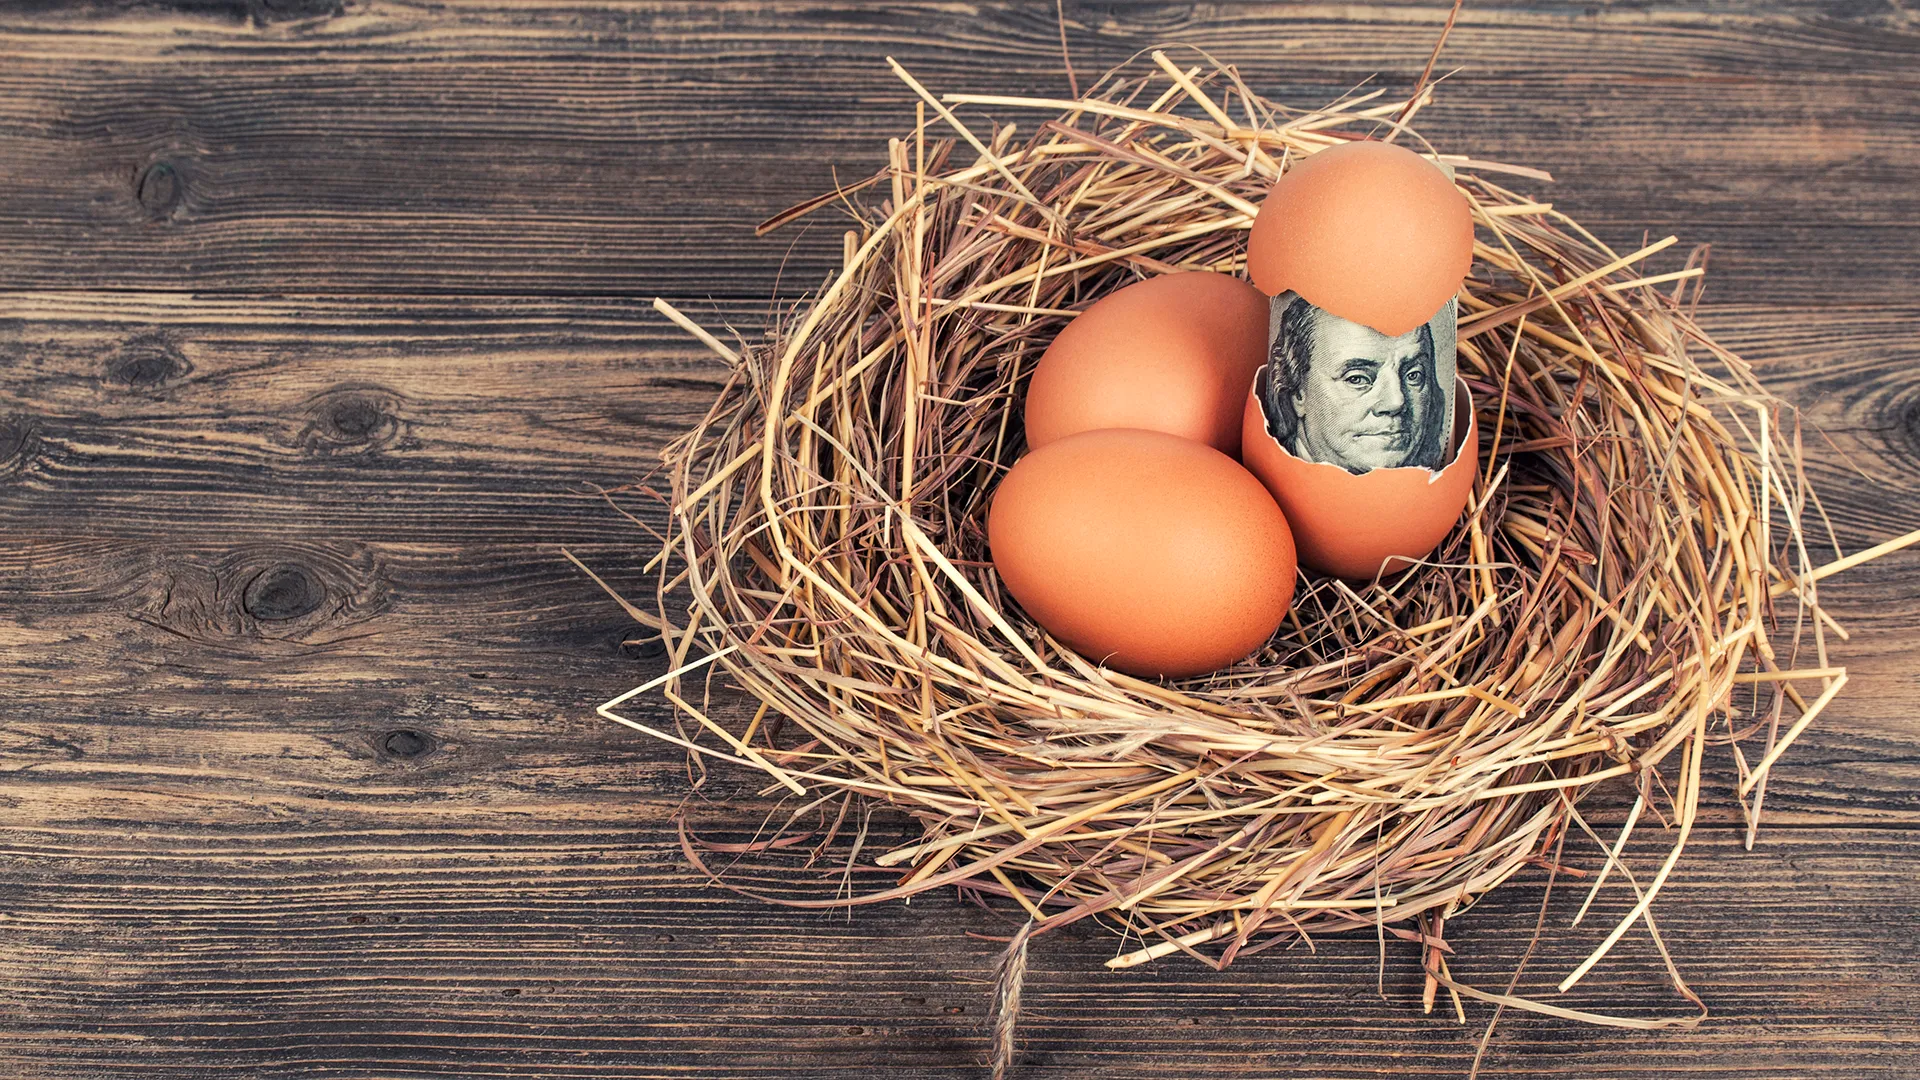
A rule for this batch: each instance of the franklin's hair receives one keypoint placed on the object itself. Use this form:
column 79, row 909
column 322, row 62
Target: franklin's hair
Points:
column 1287, row 362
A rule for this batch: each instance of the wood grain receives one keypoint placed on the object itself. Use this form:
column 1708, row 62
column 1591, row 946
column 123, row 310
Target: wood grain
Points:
column 589, row 149
column 474, row 942
column 398, row 419
column 325, row 321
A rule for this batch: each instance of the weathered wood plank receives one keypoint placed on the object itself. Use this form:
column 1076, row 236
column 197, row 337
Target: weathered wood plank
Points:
column 298, row 771
column 556, row 941
column 162, row 416
column 399, row 420
column 304, row 661
column 510, row 148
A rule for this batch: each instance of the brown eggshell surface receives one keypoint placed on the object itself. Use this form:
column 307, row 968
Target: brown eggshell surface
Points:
column 1152, row 554
column 1370, row 231
column 1351, row 526
column 1171, row 353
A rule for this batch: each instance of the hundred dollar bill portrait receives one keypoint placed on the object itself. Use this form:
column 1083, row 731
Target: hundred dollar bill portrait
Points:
column 1346, row 394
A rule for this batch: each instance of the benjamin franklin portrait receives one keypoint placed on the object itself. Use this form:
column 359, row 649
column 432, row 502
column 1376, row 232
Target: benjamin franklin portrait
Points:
column 1346, row 394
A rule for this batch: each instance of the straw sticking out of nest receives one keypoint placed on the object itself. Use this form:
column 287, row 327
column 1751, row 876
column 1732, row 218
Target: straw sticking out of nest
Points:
column 1398, row 749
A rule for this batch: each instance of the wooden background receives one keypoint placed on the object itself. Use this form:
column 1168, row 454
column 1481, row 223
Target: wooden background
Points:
column 321, row 318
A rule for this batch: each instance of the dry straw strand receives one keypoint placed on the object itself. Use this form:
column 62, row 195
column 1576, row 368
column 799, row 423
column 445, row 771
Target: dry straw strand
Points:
column 1632, row 573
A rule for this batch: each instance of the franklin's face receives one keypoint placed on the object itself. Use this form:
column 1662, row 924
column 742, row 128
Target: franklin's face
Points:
column 1362, row 397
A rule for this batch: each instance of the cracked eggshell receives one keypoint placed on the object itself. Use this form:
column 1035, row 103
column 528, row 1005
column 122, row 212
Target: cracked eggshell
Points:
column 1171, row 353
column 1143, row 551
column 1370, row 231
column 1359, row 526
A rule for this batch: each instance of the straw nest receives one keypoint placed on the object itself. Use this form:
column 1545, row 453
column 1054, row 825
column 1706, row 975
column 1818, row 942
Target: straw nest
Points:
column 1615, row 598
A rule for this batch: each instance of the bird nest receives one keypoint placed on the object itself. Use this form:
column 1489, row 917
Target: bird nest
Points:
column 1612, row 601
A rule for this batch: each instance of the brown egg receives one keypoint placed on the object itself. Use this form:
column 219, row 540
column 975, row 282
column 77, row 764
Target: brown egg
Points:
column 1370, row 231
column 1358, row 526
column 1171, row 353
column 1152, row 554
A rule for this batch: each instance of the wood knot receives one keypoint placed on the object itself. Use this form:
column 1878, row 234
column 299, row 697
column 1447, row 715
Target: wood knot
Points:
column 355, row 418
column 283, row 592
column 17, row 441
column 406, row 744
column 1910, row 426
column 160, row 188
column 267, row 599
column 148, row 362
column 271, row 11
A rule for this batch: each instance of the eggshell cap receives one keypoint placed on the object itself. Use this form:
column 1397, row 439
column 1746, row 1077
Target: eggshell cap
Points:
column 1358, row 526
column 1171, row 353
column 1370, row 231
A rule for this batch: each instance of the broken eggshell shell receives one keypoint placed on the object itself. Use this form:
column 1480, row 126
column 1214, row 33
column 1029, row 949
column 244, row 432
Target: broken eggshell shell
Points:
column 1359, row 526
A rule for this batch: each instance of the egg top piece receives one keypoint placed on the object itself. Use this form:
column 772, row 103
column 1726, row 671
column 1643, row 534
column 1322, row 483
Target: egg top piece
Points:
column 1370, row 231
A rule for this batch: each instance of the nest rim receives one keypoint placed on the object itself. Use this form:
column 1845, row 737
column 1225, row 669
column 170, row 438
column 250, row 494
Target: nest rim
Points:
column 825, row 544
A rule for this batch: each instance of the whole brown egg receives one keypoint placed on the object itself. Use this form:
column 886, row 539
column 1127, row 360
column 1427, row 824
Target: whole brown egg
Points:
column 1172, row 353
column 1143, row 551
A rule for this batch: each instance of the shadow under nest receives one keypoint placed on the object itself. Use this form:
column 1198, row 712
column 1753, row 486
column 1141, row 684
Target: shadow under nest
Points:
column 1630, row 581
